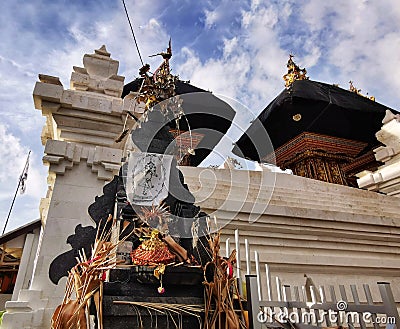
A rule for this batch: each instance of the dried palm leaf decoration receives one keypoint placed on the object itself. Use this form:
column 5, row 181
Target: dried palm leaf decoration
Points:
column 85, row 280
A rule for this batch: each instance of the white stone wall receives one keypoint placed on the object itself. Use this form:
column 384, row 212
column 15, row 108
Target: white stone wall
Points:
column 25, row 269
column 81, row 126
column 333, row 233
column 387, row 178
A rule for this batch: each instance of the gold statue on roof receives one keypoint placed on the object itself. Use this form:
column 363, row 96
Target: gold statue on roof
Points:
column 159, row 85
column 294, row 72
column 353, row 89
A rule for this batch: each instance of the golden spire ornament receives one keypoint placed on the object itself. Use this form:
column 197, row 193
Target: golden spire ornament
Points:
column 353, row 89
column 159, row 85
column 294, row 72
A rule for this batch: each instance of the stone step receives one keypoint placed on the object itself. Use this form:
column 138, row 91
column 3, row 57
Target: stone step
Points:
column 117, row 316
column 139, row 281
column 331, row 222
column 302, row 240
column 298, row 210
column 289, row 184
column 138, row 285
column 266, row 230
column 349, row 200
column 266, row 205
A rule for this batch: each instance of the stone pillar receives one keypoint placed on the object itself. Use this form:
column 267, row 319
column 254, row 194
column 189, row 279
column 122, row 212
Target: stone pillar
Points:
column 387, row 178
column 81, row 126
column 26, row 265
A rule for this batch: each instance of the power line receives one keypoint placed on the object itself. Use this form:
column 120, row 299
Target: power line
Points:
column 133, row 33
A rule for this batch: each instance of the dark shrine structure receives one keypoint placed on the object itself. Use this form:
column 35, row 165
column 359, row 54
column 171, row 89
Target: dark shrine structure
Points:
column 317, row 130
column 182, row 124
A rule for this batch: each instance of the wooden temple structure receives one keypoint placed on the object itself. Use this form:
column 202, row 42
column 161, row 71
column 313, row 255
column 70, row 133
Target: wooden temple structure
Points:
column 317, row 130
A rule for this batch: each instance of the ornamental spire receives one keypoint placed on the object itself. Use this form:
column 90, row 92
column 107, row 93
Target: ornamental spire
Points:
column 294, row 72
column 160, row 85
column 353, row 89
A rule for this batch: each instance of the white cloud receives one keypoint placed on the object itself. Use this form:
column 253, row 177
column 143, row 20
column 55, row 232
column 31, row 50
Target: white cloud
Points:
column 191, row 63
column 250, row 61
column 115, row 34
column 249, row 69
column 212, row 17
column 230, row 46
column 336, row 42
column 361, row 40
column 12, row 155
column 16, row 95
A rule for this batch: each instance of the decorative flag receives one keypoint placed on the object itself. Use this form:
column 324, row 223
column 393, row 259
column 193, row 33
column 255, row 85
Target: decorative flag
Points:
column 24, row 176
column 147, row 180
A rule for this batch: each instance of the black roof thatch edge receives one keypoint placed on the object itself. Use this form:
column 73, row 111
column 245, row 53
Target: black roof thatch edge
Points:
column 181, row 87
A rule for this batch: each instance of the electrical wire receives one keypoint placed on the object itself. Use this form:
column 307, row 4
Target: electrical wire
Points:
column 133, row 33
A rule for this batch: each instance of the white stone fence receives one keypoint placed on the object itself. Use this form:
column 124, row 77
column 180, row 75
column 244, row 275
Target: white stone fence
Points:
column 309, row 307
column 293, row 311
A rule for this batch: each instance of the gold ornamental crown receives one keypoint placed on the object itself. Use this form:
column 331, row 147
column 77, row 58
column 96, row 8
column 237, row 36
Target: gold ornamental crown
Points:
column 294, row 72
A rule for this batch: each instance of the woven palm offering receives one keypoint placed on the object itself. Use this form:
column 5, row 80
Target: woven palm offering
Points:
column 152, row 251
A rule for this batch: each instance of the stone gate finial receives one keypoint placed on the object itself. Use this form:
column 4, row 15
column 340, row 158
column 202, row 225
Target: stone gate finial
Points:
column 99, row 74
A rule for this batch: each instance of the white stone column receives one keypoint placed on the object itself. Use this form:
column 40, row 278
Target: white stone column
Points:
column 387, row 178
column 23, row 269
column 77, row 183
column 81, row 126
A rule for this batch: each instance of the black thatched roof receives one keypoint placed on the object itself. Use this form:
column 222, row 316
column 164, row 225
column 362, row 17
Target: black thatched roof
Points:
column 324, row 109
column 181, row 87
column 206, row 114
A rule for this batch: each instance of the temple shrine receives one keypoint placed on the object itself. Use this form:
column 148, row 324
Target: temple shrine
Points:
column 318, row 130
column 135, row 234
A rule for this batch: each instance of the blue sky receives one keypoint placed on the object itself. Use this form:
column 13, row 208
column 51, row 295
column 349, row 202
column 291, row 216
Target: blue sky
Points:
column 234, row 48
